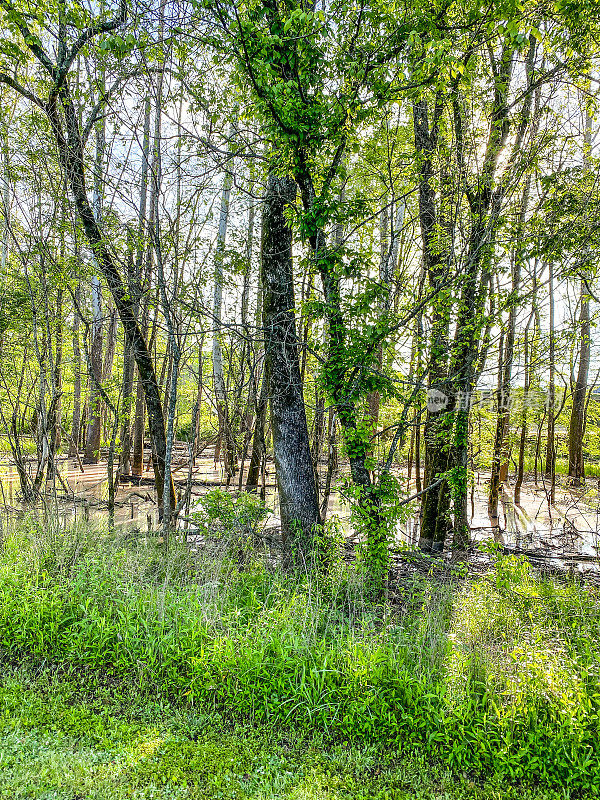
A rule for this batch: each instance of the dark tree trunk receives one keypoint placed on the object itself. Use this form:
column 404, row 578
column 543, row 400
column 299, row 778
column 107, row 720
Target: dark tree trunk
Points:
column 578, row 411
column 200, row 388
column 332, row 463
column 94, row 425
column 500, row 456
column 226, row 438
column 345, row 397
column 435, row 508
column 577, row 421
column 466, row 352
column 70, row 148
column 501, row 428
column 127, row 376
column 258, row 439
column 418, row 482
column 139, row 425
column 128, row 369
column 298, row 501
column 319, row 431
column 56, row 422
column 523, row 439
column 550, row 444
column 75, row 427
column 107, row 370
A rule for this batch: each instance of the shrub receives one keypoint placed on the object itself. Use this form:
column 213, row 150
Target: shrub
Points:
column 220, row 513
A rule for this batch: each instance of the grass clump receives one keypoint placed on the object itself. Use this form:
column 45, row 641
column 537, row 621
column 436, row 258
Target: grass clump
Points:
column 62, row 739
column 495, row 676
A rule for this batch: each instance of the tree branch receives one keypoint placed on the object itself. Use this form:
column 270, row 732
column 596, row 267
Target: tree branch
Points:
column 88, row 34
column 6, row 79
column 105, row 97
column 30, row 39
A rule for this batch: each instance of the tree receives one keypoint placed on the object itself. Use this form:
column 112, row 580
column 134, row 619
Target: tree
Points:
column 298, row 501
column 70, row 138
column 577, row 421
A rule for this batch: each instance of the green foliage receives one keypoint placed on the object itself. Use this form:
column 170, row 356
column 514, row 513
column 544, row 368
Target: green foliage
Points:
column 221, row 513
column 497, row 676
column 58, row 739
column 326, row 551
column 14, row 306
column 376, row 512
column 567, row 227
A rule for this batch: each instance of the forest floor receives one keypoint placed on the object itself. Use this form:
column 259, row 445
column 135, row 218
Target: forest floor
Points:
column 61, row 742
column 132, row 671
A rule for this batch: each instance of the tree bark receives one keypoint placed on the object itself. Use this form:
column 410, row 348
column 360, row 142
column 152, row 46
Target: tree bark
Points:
column 500, row 455
column 577, row 420
column 142, row 288
column 56, row 420
column 435, row 506
column 5, row 181
column 524, row 409
column 225, row 432
column 298, row 501
column 94, row 424
column 127, row 375
column 258, row 439
column 94, row 427
column 70, row 148
column 332, row 463
column 75, row 427
column 550, row 444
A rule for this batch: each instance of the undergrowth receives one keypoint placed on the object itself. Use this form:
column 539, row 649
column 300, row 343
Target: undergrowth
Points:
column 495, row 676
column 61, row 739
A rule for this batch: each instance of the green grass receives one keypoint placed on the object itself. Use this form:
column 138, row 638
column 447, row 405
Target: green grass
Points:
column 61, row 742
column 28, row 446
column 592, row 468
column 495, row 678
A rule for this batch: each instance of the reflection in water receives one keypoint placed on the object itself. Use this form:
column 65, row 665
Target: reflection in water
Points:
column 571, row 526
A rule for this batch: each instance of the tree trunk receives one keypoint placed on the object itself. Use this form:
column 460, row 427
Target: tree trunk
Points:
column 94, row 425
column 577, row 421
column 174, row 350
column 200, row 389
column 550, row 444
column 70, row 148
column 258, row 440
column 94, row 429
column 127, row 376
column 298, row 501
column 141, row 294
column 500, row 455
column 356, row 440
column 5, row 180
column 332, row 463
column 318, row 431
column 75, row 427
column 107, row 369
column 248, row 356
column 225, row 433
column 139, row 429
column 56, row 419
column 523, row 439
column 389, row 246
column 435, row 506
